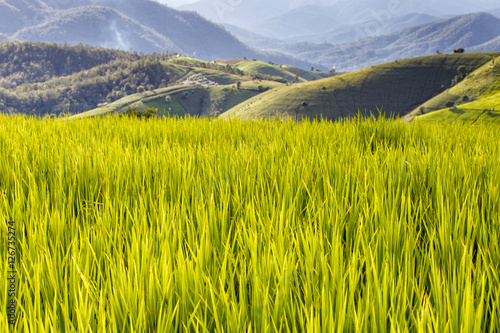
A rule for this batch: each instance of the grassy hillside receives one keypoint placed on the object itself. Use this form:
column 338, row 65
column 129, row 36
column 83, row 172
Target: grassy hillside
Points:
column 208, row 225
column 306, row 75
column 258, row 67
column 484, row 109
column 475, row 85
column 184, row 100
column 395, row 88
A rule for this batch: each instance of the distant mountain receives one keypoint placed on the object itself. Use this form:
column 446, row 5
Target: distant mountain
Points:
column 305, row 20
column 287, row 19
column 15, row 15
column 244, row 14
column 87, row 24
column 371, row 28
column 343, row 34
column 493, row 44
column 142, row 25
column 496, row 12
column 475, row 32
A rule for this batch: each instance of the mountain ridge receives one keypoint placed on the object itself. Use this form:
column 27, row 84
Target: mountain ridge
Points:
column 473, row 31
column 143, row 25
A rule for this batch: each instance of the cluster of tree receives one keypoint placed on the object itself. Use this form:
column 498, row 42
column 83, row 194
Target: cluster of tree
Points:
column 85, row 90
column 134, row 113
column 38, row 62
column 35, row 79
column 461, row 74
column 267, row 77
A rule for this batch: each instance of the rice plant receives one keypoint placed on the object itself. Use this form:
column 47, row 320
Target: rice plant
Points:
column 204, row 225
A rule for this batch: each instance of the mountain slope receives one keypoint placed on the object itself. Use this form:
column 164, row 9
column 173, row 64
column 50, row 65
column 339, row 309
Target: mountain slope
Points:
column 282, row 18
column 370, row 28
column 142, row 25
column 94, row 23
column 395, row 87
column 476, row 97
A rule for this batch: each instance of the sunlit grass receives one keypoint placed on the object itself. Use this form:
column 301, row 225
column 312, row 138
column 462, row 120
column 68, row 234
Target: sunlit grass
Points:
column 225, row 225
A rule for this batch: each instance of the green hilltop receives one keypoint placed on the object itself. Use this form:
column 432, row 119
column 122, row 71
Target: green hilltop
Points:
column 394, row 88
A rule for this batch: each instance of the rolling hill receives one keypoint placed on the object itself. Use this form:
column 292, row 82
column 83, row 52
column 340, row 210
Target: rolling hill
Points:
column 207, row 92
column 46, row 78
column 395, row 88
column 182, row 100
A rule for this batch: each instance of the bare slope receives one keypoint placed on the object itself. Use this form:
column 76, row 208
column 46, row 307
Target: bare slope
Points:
column 397, row 87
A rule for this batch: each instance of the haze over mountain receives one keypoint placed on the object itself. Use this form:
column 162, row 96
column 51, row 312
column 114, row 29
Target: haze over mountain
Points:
column 141, row 25
column 342, row 34
column 285, row 19
column 477, row 32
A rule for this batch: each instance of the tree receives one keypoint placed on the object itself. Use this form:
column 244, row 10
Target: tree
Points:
column 462, row 71
column 297, row 78
column 238, row 85
column 450, row 104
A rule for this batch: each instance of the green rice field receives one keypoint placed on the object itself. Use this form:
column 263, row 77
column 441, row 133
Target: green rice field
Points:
column 204, row 225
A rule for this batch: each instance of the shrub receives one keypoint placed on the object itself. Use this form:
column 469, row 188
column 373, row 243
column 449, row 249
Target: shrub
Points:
column 462, row 71
column 146, row 114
